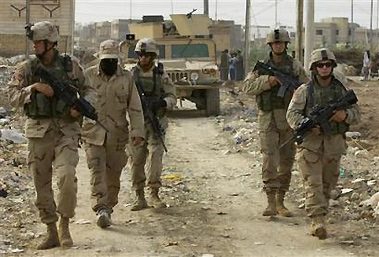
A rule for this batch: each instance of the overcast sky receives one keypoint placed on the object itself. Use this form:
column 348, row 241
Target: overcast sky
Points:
column 263, row 12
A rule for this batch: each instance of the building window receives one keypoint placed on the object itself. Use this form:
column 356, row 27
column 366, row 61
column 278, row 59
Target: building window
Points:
column 337, row 32
column 349, row 32
column 319, row 32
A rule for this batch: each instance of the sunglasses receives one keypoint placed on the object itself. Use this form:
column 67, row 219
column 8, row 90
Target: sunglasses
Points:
column 322, row 64
column 144, row 54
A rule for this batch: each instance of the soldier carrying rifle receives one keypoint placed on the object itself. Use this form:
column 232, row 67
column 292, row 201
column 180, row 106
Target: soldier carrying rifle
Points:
column 273, row 127
column 321, row 150
column 157, row 95
column 52, row 127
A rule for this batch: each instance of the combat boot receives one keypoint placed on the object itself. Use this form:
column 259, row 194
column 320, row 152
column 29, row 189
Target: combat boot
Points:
column 282, row 210
column 271, row 208
column 140, row 202
column 155, row 201
column 51, row 240
column 64, row 232
column 103, row 219
column 318, row 227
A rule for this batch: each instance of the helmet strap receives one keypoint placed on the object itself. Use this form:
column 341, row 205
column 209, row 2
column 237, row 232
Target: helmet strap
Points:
column 40, row 56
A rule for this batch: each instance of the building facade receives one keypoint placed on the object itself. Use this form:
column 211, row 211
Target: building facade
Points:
column 13, row 21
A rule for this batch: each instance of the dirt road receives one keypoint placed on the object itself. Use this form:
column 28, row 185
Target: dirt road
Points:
column 215, row 205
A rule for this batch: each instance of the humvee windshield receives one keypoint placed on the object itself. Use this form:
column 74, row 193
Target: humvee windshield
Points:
column 189, row 50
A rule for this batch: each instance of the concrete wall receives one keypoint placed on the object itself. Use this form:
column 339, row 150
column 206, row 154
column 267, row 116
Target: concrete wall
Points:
column 119, row 29
column 328, row 36
column 12, row 22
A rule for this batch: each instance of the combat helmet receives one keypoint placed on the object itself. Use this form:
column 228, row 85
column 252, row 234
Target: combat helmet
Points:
column 278, row 35
column 44, row 30
column 322, row 54
column 147, row 45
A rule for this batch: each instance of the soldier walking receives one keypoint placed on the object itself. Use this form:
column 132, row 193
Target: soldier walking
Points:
column 273, row 127
column 105, row 150
column 160, row 95
column 320, row 153
column 52, row 129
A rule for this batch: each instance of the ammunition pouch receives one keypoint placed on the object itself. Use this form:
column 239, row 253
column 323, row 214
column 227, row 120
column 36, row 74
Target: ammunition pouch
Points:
column 268, row 100
column 39, row 107
column 43, row 107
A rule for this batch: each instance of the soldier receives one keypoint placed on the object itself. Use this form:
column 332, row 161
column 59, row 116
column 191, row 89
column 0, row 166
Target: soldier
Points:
column 105, row 150
column 273, row 127
column 52, row 129
column 320, row 153
column 160, row 94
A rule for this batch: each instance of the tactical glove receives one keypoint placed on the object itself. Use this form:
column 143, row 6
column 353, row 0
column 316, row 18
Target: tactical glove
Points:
column 158, row 104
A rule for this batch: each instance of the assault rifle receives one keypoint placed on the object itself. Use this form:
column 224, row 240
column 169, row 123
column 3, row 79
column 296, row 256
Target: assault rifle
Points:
column 157, row 127
column 64, row 91
column 320, row 115
column 287, row 80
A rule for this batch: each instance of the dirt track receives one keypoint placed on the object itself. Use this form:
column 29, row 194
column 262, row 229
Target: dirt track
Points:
column 215, row 208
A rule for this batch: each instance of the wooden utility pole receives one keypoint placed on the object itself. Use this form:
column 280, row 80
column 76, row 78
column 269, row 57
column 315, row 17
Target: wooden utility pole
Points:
column 352, row 23
column 27, row 21
column 276, row 14
column 216, row 12
column 299, row 31
column 206, row 7
column 247, row 36
column 309, row 32
column 72, row 27
column 371, row 34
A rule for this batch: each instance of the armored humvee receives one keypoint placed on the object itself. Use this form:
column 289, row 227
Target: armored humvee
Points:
column 190, row 61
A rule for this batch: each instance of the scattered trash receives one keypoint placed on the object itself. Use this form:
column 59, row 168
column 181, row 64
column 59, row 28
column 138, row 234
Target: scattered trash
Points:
column 3, row 193
column 173, row 176
column 170, row 244
column 82, row 221
column 13, row 136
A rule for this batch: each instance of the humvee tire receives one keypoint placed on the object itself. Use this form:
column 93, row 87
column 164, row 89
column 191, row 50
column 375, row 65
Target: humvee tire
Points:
column 212, row 102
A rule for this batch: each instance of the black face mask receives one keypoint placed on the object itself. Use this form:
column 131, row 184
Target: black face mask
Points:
column 108, row 66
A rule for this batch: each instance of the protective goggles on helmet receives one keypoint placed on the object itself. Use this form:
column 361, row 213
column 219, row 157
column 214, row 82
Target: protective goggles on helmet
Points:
column 29, row 32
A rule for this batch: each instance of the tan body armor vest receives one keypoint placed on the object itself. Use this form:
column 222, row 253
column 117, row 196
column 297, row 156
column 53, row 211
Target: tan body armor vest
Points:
column 317, row 95
column 45, row 107
column 268, row 100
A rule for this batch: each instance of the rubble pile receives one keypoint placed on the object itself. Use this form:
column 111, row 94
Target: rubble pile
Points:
column 357, row 194
column 18, row 213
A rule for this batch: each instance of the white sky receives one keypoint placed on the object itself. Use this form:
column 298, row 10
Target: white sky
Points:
column 263, row 11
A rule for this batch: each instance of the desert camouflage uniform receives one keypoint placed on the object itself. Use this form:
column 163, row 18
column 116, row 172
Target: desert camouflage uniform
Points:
column 106, row 156
column 151, row 151
column 320, row 155
column 53, row 141
column 273, row 127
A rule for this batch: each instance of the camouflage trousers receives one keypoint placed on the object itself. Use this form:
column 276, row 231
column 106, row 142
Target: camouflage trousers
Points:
column 150, row 153
column 320, row 175
column 105, row 163
column 277, row 164
column 60, row 151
